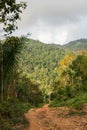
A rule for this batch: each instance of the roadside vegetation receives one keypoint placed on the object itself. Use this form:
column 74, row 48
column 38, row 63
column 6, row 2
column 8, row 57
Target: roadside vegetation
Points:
column 33, row 73
column 70, row 88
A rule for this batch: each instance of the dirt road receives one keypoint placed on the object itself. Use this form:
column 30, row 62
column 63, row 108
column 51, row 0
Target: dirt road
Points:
column 61, row 118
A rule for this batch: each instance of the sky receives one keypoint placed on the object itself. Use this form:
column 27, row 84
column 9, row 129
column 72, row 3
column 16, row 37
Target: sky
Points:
column 54, row 21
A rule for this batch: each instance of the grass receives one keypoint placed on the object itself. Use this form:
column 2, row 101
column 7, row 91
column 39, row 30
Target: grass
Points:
column 76, row 102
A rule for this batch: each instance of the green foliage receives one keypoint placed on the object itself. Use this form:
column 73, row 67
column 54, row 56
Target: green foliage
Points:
column 11, row 56
column 79, row 67
column 75, row 102
column 11, row 53
column 40, row 63
column 28, row 92
column 34, row 71
column 76, row 45
column 71, row 87
column 12, row 115
column 9, row 13
column 78, row 101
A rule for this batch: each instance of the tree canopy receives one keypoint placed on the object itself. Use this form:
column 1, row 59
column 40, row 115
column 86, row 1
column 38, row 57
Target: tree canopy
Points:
column 9, row 14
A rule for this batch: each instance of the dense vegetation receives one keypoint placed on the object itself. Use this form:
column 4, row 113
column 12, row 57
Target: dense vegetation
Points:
column 35, row 73
column 70, row 88
column 77, row 45
column 11, row 109
column 39, row 62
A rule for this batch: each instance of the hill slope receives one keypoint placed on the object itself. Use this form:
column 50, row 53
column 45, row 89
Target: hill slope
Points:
column 40, row 61
column 76, row 45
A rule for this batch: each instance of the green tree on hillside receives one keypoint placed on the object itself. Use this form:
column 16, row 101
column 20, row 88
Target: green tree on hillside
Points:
column 79, row 69
column 73, row 78
column 9, row 14
column 11, row 57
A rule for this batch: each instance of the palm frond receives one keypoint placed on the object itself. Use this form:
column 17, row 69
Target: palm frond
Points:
column 11, row 53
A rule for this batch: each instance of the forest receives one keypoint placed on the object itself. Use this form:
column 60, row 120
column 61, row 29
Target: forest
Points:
column 33, row 73
column 36, row 73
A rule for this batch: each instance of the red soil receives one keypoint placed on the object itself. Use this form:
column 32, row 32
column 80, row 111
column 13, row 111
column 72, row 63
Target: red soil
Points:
column 46, row 118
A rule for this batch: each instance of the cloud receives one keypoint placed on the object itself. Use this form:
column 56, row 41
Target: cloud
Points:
column 63, row 8
column 57, row 21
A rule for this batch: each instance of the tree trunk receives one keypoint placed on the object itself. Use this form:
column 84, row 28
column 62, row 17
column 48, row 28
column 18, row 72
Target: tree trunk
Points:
column 1, row 73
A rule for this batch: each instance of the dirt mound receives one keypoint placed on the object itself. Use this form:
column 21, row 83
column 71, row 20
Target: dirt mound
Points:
column 61, row 118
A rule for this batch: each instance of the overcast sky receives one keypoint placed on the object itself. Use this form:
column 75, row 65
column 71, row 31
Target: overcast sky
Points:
column 54, row 21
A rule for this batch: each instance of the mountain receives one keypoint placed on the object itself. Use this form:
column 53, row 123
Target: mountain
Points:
column 41, row 54
column 40, row 61
column 76, row 45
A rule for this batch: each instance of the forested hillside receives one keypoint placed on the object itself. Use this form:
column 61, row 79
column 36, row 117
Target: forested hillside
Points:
column 40, row 62
column 76, row 45
column 35, row 73
column 52, row 68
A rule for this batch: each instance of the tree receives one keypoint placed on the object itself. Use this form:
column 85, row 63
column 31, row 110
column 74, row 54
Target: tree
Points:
column 64, row 68
column 79, row 69
column 11, row 56
column 9, row 14
column 65, row 62
column 28, row 91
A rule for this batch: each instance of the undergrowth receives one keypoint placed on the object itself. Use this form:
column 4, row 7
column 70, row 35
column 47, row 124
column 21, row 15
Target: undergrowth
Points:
column 12, row 115
column 76, row 102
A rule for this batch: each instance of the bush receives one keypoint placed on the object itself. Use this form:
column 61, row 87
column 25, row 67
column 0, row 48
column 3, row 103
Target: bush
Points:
column 12, row 114
column 76, row 102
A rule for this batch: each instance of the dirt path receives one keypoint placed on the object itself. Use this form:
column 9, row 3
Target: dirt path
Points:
column 61, row 118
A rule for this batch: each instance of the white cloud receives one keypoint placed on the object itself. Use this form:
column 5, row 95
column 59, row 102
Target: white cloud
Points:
column 55, row 21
